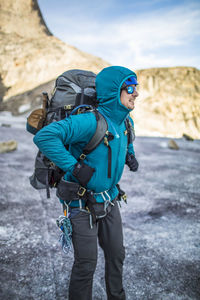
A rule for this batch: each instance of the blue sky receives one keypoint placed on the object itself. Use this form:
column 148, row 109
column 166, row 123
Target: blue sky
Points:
column 136, row 34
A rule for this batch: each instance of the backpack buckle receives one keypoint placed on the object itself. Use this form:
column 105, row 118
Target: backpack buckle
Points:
column 68, row 107
column 82, row 156
column 81, row 191
column 106, row 141
column 79, row 111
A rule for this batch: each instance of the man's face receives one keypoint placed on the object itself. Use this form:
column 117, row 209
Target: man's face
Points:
column 128, row 100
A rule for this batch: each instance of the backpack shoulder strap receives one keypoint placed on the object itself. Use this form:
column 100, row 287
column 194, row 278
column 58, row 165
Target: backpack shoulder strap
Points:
column 98, row 136
column 130, row 131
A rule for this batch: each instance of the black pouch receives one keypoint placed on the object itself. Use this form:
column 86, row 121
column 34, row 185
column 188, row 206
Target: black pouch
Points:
column 68, row 191
column 46, row 173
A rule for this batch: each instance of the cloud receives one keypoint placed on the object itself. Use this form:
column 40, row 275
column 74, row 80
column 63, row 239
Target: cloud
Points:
column 159, row 40
column 146, row 39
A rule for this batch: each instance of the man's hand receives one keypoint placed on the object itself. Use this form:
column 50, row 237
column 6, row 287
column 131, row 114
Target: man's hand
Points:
column 132, row 162
column 83, row 173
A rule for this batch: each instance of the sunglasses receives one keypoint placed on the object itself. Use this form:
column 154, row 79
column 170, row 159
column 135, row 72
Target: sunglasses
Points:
column 130, row 89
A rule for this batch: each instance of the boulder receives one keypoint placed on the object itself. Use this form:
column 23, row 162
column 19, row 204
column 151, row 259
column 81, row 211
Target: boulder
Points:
column 173, row 145
column 187, row 137
column 8, row 146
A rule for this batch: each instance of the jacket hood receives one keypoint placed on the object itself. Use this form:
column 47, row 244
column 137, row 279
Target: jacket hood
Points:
column 108, row 85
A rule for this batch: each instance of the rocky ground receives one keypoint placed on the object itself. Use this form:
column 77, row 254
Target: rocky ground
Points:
column 161, row 225
column 31, row 58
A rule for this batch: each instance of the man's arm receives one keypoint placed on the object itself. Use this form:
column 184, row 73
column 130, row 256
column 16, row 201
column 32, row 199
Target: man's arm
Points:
column 51, row 139
column 131, row 160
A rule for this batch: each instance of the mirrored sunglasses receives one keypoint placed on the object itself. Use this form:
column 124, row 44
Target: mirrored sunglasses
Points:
column 130, row 89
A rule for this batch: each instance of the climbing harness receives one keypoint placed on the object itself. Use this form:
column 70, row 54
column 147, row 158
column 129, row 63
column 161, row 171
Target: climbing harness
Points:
column 64, row 223
column 67, row 190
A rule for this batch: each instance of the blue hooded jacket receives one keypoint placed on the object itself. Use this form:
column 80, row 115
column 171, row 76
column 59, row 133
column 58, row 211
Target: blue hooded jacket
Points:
column 77, row 130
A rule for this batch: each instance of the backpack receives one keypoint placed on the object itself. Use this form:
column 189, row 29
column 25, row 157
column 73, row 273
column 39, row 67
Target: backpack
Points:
column 73, row 88
column 74, row 93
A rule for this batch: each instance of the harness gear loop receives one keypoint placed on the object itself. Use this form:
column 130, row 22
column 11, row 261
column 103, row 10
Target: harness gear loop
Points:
column 106, row 201
column 66, row 210
column 109, row 198
column 80, row 204
column 119, row 204
column 91, row 221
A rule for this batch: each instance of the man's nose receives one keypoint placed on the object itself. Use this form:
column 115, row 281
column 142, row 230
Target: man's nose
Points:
column 136, row 94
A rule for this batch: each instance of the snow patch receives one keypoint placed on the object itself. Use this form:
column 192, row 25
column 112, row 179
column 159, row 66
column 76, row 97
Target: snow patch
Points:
column 24, row 108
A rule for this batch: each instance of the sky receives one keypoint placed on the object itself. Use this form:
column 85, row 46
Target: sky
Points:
column 137, row 34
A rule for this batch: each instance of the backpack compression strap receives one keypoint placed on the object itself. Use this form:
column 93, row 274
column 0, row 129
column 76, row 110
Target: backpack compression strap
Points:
column 130, row 131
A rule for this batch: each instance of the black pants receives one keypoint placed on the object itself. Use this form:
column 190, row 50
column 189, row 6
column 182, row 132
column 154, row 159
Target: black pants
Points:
column 108, row 230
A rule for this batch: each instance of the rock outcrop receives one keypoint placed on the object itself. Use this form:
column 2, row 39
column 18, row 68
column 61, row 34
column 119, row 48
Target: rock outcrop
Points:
column 168, row 102
column 30, row 55
column 160, row 223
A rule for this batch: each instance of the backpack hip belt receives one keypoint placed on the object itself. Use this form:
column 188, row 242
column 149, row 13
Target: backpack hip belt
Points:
column 68, row 191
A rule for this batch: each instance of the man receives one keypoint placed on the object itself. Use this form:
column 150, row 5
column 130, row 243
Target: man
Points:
column 99, row 174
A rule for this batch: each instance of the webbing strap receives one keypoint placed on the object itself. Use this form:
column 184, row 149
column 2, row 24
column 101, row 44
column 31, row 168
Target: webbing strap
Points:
column 130, row 131
column 47, row 184
column 109, row 161
column 82, row 96
column 128, row 128
column 108, row 138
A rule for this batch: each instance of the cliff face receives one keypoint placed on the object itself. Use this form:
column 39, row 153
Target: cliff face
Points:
column 22, row 17
column 168, row 102
column 29, row 54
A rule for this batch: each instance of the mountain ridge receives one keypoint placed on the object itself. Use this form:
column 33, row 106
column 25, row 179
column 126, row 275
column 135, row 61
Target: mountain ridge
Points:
column 169, row 102
column 30, row 55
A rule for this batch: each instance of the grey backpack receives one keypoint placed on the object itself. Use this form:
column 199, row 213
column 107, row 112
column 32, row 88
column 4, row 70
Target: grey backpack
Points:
column 74, row 93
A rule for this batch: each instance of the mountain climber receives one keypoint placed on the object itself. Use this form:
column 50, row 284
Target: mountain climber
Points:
column 94, row 214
